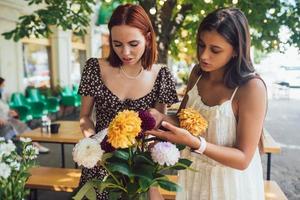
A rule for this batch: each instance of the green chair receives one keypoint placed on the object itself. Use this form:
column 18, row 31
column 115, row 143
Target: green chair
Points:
column 18, row 99
column 34, row 95
column 24, row 113
column 38, row 109
column 19, row 103
column 75, row 89
column 51, row 103
column 68, row 98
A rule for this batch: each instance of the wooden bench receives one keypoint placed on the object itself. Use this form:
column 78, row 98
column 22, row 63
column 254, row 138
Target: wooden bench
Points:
column 66, row 180
column 272, row 191
column 54, row 179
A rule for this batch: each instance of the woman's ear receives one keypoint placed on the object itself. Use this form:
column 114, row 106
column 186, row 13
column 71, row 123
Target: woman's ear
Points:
column 148, row 37
column 234, row 54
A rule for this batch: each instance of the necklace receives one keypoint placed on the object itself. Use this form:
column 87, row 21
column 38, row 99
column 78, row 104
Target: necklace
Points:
column 132, row 77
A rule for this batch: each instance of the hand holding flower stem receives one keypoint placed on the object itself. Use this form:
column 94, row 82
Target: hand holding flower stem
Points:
column 175, row 135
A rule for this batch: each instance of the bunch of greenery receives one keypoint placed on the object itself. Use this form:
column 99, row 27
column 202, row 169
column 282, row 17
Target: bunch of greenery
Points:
column 14, row 166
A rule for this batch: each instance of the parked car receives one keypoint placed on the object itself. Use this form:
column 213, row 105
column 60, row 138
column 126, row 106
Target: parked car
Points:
column 289, row 76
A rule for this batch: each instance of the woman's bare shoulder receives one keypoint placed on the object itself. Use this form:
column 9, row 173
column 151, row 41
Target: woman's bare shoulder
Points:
column 103, row 62
column 254, row 86
column 254, row 91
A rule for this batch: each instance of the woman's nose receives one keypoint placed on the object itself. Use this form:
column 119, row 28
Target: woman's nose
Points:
column 126, row 50
column 204, row 54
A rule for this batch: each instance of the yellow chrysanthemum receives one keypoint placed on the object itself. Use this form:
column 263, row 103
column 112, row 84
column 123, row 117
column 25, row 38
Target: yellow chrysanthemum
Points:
column 192, row 121
column 124, row 128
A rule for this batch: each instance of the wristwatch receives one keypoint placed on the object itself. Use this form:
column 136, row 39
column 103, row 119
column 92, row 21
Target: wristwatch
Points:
column 202, row 147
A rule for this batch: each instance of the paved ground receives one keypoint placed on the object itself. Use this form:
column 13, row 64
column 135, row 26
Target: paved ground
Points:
column 282, row 121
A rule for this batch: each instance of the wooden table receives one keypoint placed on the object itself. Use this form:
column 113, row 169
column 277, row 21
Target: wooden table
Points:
column 270, row 146
column 69, row 133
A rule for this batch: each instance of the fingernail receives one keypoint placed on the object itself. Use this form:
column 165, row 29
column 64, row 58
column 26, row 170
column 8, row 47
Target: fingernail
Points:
column 163, row 123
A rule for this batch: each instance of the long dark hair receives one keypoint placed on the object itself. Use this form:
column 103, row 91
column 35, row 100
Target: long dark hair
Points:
column 232, row 24
column 135, row 16
column 1, row 80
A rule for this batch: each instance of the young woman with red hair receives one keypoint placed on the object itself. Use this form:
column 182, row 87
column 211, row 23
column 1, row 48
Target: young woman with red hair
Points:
column 127, row 79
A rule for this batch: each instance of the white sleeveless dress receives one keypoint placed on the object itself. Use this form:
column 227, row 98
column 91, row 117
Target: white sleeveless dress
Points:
column 214, row 181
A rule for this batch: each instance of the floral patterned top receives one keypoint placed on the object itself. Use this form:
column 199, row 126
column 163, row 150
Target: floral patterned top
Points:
column 107, row 104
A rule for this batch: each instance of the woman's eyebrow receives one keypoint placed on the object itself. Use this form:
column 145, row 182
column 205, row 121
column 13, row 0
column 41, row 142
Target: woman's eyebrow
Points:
column 117, row 41
column 217, row 47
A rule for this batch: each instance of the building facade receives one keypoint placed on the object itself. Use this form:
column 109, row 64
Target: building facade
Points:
column 39, row 62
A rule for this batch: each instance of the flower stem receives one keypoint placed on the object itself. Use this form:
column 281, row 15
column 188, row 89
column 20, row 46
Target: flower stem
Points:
column 153, row 139
column 102, row 164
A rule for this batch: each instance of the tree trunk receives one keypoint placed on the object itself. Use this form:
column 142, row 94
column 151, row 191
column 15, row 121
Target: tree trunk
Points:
column 163, row 54
column 166, row 21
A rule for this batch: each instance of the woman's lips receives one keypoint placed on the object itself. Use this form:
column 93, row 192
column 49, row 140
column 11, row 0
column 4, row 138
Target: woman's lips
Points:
column 205, row 64
column 127, row 60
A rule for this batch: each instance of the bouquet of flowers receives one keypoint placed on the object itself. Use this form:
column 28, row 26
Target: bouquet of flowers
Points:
column 14, row 166
column 123, row 151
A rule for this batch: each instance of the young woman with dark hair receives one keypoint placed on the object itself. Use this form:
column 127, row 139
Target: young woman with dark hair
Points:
column 127, row 79
column 224, row 88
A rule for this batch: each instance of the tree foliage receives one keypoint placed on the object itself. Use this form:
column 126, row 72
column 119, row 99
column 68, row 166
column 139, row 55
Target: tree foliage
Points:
column 175, row 21
column 68, row 14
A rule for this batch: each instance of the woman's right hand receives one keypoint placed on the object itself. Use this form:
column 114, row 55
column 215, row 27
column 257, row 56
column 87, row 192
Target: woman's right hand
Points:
column 158, row 116
column 176, row 135
column 2, row 122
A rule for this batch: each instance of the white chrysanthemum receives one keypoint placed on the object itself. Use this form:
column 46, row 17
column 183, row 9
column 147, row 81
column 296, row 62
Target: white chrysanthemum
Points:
column 31, row 152
column 87, row 152
column 7, row 148
column 165, row 153
column 5, row 170
column 26, row 140
column 15, row 165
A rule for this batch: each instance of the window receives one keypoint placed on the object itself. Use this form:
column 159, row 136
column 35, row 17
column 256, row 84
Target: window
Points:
column 78, row 59
column 36, row 64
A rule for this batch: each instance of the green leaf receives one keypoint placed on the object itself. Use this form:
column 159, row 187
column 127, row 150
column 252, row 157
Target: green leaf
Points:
column 180, row 147
column 104, row 185
column 120, row 167
column 185, row 161
column 83, row 190
column 145, row 183
column 121, row 154
column 106, row 156
column 132, row 188
column 114, row 195
column 143, row 158
column 91, row 194
column 168, row 185
column 8, row 35
column 143, row 170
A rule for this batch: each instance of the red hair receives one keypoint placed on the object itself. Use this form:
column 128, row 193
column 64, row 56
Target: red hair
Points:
column 135, row 16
